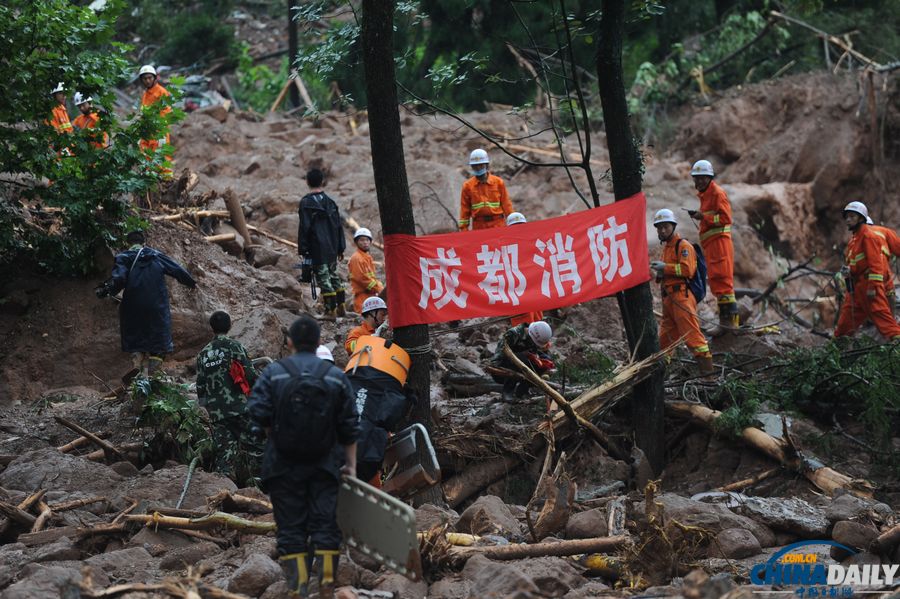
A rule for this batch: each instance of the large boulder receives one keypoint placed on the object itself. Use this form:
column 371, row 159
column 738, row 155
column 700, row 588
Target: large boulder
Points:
column 283, row 284
column 553, row 576
column 792, row 515
column 49, row 469
column 846, row 507
column 37, row 581
column 496, row 579
column 133, row 564
column 183, row 556
column 429, row 515
column 284, row 225
column 402, row 587
column 854, row 534
column 587, row 525
column 260, row 332
column 489, row 515
column 713, row 517
column 255, row 575
column 735, row 543
column 164, row 487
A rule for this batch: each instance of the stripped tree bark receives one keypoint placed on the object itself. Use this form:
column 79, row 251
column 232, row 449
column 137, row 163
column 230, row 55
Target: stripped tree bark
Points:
column 553, row 548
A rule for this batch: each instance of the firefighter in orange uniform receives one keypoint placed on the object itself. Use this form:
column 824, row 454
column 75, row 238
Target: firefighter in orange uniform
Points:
column 363, row 282
column 517, row 218
column 484, row 202
column 865, row 271
column 715, row 239
column 892, row 251
column 153, row 93
column 88, row 119
column 374, row 313
column 59, row 116
column 678, row 265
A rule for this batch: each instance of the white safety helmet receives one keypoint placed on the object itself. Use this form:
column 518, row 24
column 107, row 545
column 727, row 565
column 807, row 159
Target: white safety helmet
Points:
column 147, row 68
column 869, row 220
column 323, row 353
column 59, row 88
column 857, row 207
column 540, row 332
column 362, row 232
column 80, row 99
column 664, row 216
column 515, row 218
column 373, row 303
column 702, row 167
column 478, row 156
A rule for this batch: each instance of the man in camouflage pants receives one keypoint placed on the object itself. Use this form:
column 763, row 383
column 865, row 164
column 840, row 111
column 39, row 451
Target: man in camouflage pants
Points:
column 321, row 243
column 225, row 376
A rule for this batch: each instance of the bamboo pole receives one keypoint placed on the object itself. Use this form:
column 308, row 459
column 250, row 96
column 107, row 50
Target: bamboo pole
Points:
column 107, row 448
column 221, row 237
column 79, row 442
column 237, row 216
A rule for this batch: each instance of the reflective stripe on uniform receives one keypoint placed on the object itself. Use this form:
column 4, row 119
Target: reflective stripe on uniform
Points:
column 371, row 283
column 481, row 205
column 855, row 259
column 678, row 270
column 714, row 232
column 873, row 277
column 464, row 222
column 728, row 298
column 702, row 349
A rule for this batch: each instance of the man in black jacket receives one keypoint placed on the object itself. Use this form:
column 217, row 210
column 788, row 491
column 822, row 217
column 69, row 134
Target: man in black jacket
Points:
column 145, row 321
column 320, row 240
column 299, row 473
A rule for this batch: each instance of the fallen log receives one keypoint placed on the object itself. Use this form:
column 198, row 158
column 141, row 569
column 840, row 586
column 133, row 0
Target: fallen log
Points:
column 221, row 237
column 16, row 514
column 32, row 500
column 43, row 517
column 74, row 533
column 236, row 214
column 215, row 520
column 108, row 449
column 823, row 477
column 100, row 455
column 238, row 503
column 555, row 548
column 462, row 486
column 265, row 233
column 749, row 482
column 886, row 541
column 77, row 503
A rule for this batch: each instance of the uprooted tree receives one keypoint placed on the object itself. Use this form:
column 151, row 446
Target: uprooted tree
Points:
column 62, row 198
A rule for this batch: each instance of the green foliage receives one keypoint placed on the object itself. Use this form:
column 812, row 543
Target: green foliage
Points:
column 744, row 397
column 258, row 85
column 184, row 32
column 590, row 367
column 176, row 425
column 51, row 41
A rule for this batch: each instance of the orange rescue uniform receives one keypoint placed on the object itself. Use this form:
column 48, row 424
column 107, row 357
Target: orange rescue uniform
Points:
column 715, row 239
column 484, row 205
column 528, row 317
column 151, row 97
column 363, row 283
column 356, row 333
column 868, row 269
column 59, row 119
column 679, row 305
column 891, row 250
column 89, row 121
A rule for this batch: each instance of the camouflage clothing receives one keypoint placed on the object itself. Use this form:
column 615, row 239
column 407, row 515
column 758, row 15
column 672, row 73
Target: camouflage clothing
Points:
column 328, row 279
column 237, row 450
column 518, row 340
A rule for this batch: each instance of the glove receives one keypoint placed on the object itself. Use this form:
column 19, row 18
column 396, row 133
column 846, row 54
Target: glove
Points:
column 845, row 271
column 658, row 265
column 695, row 214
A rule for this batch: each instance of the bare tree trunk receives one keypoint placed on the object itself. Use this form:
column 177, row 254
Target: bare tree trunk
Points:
column 636, row 304
column 391, row 185
column 292, row 51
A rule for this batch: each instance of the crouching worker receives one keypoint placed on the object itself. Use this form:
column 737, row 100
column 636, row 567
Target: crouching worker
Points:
column 225, row 376
column 673, row 273
column 530, row 343
column 374, row 315
column 307, row 409
column 377, row 371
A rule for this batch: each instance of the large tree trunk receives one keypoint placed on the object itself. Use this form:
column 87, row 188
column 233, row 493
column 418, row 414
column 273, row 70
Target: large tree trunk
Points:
column 292, row 51
column 391, row 185
column 636, row 304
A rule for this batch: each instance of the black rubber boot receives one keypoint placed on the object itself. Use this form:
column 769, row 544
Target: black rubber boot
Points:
column 327, row 565
column 341, row 302
column 296, row 568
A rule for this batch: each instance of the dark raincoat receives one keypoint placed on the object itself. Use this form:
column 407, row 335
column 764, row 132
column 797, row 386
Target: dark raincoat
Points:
column 320, row 234
column 144, row 318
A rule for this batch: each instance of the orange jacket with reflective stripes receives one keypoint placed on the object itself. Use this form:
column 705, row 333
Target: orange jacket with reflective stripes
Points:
column 865, row 256
column 716, row 212
column 484, row 205
column 59, row 119
column 890, row 237
column 89, row 121
column 362, row 276
column 356, row 333
column 151, row 96
column 681, row 262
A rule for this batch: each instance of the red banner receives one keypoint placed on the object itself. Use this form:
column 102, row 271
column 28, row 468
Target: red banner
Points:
column 511, row 270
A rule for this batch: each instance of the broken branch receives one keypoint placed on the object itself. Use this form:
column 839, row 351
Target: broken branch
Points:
column 214, row 520
column 555, row 548
column 108, row 449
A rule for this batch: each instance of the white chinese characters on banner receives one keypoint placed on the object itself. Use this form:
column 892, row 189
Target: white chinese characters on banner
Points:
column 612, row 260
column 503, row 281
column 440, row 281
column 563, row 265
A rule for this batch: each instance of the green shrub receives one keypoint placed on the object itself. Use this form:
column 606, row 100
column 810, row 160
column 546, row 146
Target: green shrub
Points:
column 198, row 38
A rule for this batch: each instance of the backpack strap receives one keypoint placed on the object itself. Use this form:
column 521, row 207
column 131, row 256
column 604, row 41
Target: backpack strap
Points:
column 292, row 369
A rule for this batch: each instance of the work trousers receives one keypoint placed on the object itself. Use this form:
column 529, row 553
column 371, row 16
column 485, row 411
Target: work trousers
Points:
column 680, row 320
column 528, row 317
column 858, row 308
column 719, row 252
column 327, row 278
column 304, row 501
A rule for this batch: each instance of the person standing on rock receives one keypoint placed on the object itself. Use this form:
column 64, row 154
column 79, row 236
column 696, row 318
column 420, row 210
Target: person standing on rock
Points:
column 484, row 202
column 153, row 94
column 363, row 282
column 225, row 375
column 145, row 320
column 677, row 267
column 320, row 240
column 865, row 270
column 308, row 411
column 715, row 239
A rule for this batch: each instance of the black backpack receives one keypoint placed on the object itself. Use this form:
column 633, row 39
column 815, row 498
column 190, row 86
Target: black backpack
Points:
column 304, row 422
column 697, row 283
